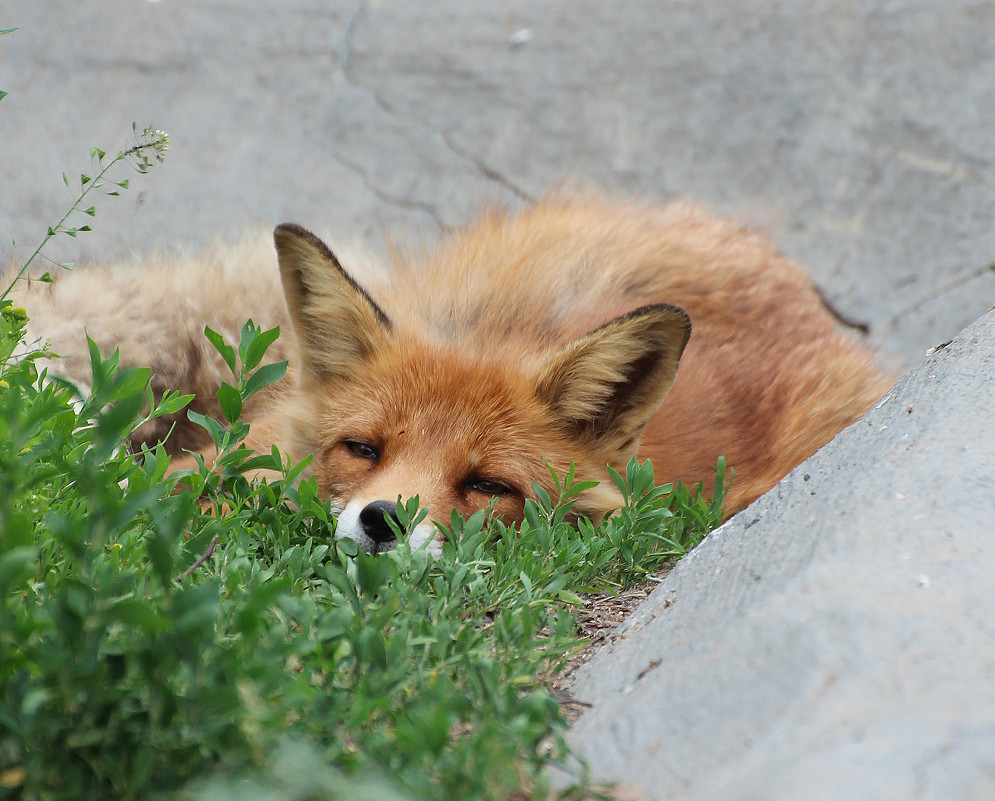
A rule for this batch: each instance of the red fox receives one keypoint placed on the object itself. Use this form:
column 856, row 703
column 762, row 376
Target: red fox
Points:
column 550, row 337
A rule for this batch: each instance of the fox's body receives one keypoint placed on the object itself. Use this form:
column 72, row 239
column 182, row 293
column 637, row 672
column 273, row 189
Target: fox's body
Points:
column 552, row 335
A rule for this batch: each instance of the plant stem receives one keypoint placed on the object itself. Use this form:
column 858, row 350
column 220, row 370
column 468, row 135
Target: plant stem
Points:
column 158, row 143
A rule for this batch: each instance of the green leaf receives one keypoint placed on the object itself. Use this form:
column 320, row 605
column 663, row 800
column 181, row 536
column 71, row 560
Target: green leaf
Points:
column 258, row 347
column 720, row 487
column 16, row 565
column 172, row 402
column 116, row 421
column 263, row 377
column 137, row 613
column 35, row 700
column 569, row 597
column 371, row 648
column 373, row 572
column 246, row 335
column 16, row 531
column 230, row 400
column 543, row 497
column 131, row 382
column 473, row 524
column 227, row 351
column 209, row 424
column 619, row 481
column 98, row 375
column 261, row 461
column 161, row 557
column 297, row 469
column 527, row 583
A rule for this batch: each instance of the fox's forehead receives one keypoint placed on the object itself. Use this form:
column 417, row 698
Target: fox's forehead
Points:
column 438, row 395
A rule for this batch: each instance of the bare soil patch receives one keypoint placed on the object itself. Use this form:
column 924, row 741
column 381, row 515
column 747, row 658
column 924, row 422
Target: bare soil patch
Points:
column 597, row 622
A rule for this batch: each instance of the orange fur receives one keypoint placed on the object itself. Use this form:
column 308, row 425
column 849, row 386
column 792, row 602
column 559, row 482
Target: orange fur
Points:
column 548, row 335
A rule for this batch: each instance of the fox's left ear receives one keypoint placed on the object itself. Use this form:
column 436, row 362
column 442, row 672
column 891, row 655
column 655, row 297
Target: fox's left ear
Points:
column 338, row 326
column 605, row 386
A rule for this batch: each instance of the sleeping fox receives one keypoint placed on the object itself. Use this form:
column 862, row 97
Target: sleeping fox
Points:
column 552, row 336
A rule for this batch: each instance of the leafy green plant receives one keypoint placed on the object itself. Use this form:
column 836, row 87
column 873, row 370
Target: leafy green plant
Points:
column 150, row 146
column 148, row 641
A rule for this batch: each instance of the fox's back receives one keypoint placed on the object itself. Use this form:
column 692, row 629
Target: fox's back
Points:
column 767, row 377
column 556, row 271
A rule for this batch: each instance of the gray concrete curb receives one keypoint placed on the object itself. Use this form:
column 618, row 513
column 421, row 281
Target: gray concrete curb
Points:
column 837, row 638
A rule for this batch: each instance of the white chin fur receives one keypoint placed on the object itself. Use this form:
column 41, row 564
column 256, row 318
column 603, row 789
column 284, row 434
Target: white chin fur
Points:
column 425, row 532
column 349, row 527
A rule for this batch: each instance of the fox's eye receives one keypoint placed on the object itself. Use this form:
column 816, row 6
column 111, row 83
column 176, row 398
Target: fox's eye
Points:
column 487, row 487
column 362, row 450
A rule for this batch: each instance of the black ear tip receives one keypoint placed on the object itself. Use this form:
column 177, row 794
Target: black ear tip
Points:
column 680, row 312
column 670, row 310
column 685, row 321
column 663, row 313
column 291, row 230
column 298, row 239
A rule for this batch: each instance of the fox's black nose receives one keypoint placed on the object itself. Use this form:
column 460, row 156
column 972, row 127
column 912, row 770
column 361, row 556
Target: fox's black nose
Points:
column 374, row 521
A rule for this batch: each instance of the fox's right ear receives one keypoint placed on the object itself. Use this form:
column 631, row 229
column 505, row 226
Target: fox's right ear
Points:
column 337, row 324
column 605, row 386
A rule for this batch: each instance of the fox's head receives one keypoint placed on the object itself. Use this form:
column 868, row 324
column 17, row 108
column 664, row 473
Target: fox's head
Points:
column 391, row 412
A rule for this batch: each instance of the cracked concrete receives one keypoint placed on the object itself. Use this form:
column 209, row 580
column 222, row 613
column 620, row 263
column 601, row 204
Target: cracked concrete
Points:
column 488, row 172
column 860, row 135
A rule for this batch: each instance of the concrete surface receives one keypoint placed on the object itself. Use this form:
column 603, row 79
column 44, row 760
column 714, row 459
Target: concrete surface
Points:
column 836, row 639
column 861, row 134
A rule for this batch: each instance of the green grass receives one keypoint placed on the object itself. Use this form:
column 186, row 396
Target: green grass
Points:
column 148, row 646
